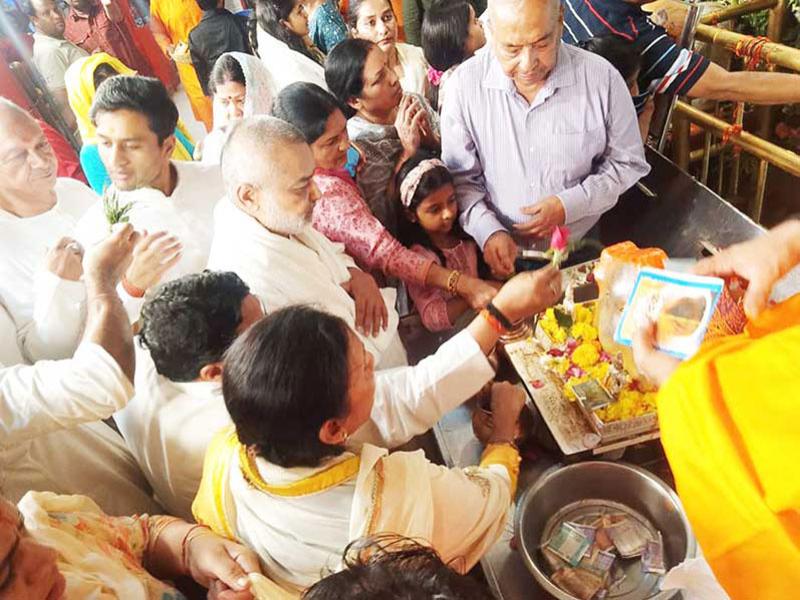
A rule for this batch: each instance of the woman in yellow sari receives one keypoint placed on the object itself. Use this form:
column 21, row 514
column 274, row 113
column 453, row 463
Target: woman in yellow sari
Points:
column 171, row 21
column 730, row 426
column 82, row 79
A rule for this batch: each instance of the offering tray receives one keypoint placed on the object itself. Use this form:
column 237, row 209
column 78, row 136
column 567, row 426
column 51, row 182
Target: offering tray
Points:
column 575, row 427
column 636, row 585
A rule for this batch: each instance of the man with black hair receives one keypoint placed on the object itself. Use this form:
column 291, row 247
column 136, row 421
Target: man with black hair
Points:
column 52, row 53
column 667, row 68
column 218, row 32
column 187, row 325
column 174, row 201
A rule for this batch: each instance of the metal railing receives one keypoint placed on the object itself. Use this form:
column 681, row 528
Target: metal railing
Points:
column 730, row 135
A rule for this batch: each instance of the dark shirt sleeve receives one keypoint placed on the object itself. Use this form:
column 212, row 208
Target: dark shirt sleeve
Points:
column 666, row 68
column 199, row 60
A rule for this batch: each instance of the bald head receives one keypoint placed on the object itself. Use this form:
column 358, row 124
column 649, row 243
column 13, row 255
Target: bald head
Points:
column 526, row 35
column 28, row 165
column 256, row 149
column 267, row 167
column 11, row 113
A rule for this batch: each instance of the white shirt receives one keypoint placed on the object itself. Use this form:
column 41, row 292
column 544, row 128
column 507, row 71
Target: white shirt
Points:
column 287, row 66
column 53, row 438
column 306, row 268
column 48, row 312
column 186, row 214
column 299, row 538
column 415, row 69
column 53, row 57
column 167, row 427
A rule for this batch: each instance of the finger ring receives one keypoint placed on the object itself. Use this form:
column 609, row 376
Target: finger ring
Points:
column 74, row 247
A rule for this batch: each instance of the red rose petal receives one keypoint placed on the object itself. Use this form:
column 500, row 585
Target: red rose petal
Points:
column 537, row 384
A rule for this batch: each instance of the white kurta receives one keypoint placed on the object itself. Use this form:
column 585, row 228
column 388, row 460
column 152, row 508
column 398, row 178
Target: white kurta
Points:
column 415, row 69
column 186, row 214
column 53, row 438
column 299, row 538
column 302, row 269
column 167, row 427
column 48, row 312
column 287, row 66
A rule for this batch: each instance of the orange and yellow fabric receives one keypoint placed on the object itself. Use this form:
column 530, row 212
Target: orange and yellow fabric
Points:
column 79, row 80
column 730, row 425
column 177, row 18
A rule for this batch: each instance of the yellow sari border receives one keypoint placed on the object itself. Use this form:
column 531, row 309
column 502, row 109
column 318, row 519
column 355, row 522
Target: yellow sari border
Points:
column 327, row 478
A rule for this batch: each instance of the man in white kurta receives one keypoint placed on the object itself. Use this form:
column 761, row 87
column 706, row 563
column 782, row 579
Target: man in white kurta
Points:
column 178, row 406
column 51, row 434
column 37, row 210
column 262, row 232
column 164, row 195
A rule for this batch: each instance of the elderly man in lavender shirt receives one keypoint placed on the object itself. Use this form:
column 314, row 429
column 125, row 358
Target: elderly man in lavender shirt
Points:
column 537, row 134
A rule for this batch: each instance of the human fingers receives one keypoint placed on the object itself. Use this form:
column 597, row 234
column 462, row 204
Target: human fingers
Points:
column 384, row 312
column 148, row 239
column 360, row 313
column 654, row 365
column 759, row 280
column 62, row 243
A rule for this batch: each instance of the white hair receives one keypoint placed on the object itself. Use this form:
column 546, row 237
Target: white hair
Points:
column 248, row 155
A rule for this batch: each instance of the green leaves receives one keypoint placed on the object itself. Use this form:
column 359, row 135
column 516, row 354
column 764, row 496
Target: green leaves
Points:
column 115, row 212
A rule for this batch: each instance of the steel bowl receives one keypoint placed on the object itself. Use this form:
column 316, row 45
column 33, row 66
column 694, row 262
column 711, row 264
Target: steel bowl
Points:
column 569, row 491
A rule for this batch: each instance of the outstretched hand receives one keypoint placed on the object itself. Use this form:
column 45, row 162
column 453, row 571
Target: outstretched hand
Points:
column 222, row 566
column 107, row 261
column 761, row 262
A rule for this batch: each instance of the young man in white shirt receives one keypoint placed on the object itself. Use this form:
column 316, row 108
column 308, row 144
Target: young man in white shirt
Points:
column 262, row 232
column 51, row 434
column 172, row 200
column 187, row 325
column 40, row 268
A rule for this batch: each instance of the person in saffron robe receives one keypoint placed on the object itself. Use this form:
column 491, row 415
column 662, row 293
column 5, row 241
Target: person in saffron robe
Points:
column 729, row 425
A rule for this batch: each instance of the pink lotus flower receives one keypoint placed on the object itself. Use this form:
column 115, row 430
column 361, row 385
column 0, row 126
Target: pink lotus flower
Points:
column 560, row 239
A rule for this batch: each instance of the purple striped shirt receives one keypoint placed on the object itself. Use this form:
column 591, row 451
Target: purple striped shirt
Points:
column 578, row 140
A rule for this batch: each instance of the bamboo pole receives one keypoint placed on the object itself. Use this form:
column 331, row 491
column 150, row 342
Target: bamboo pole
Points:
column 776, row 54
column 761, row 187
column 700, row 153
column 762, row 149
column 738, row 10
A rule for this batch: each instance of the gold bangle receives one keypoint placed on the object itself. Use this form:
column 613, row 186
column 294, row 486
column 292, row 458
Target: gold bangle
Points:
column 452, row 281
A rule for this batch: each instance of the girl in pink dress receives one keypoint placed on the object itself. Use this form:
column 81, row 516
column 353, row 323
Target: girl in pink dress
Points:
column 429, row 200
column 342, row 214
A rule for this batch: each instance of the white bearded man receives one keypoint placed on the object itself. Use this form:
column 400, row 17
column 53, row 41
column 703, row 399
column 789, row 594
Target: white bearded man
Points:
column 40, row 268
column 263, row 233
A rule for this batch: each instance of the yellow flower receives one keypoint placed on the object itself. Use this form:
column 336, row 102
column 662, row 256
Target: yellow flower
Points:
column 583, row 331
column 583, row 314
column 599, row 371
column 585, row 355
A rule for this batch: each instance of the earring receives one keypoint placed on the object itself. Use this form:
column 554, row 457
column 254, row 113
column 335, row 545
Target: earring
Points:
column 345, row 436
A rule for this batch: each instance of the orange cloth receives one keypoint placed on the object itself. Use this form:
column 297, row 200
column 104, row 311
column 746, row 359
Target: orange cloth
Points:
column 179, row 17
column 730, row 425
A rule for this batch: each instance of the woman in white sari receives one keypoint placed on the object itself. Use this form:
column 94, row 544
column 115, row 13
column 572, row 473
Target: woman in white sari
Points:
column 241, row 87
column 289, row 481
column 282, row 34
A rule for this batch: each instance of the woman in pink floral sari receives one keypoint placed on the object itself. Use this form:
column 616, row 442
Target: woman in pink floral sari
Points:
column 343, row 215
